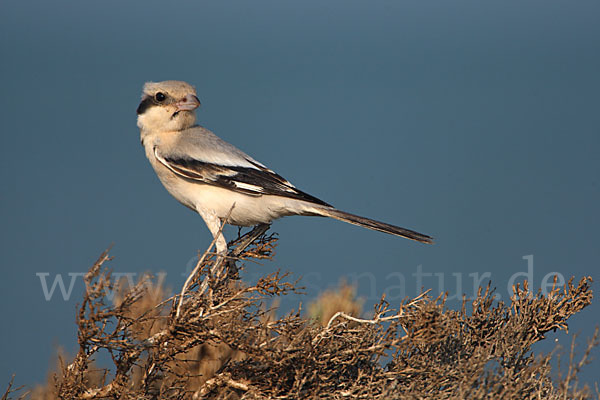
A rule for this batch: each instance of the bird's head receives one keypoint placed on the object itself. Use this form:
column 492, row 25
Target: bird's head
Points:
column 167, row 106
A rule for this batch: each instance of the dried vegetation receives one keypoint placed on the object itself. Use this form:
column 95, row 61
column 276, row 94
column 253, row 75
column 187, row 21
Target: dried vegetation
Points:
column 225, row 345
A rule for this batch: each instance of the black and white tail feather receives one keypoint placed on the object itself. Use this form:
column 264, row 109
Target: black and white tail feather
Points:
column 375, row 225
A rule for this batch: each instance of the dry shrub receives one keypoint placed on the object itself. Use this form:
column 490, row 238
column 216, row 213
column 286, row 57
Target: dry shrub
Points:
column 226, row 345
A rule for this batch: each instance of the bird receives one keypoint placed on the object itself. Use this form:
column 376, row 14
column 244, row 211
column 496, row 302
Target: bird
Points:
column 216, row 179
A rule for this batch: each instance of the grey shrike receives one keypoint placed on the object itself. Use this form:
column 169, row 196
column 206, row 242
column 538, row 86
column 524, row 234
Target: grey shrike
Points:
column 217, row 180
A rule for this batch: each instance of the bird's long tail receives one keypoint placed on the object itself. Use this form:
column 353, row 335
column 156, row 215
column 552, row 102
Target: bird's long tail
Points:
column 375, row 225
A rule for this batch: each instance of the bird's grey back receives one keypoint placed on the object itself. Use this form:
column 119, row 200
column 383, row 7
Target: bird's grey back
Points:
column 203, row 145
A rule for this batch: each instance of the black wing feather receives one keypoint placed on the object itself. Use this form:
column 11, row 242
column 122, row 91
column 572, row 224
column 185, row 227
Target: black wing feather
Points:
column 246, row 180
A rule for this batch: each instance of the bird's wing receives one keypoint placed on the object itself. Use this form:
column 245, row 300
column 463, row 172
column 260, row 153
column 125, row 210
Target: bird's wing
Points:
column 252, row 178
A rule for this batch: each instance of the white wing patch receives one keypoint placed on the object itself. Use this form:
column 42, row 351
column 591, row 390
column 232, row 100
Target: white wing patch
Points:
column 248, row 186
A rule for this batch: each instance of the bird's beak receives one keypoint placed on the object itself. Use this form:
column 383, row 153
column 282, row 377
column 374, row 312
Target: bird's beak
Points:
column 188, row 103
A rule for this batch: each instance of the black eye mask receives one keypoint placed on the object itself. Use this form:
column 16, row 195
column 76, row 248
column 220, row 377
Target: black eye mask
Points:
column 151, row 101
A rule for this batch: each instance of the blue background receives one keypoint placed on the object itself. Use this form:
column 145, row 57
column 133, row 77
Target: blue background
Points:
column 475, row 122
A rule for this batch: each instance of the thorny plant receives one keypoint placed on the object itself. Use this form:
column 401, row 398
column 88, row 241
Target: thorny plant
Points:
column 223, row 343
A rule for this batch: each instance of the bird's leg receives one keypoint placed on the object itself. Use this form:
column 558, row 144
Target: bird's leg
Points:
column 214, row 224
column 221, row 249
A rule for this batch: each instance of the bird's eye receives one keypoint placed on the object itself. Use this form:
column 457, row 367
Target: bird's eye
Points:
column 160, row 97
